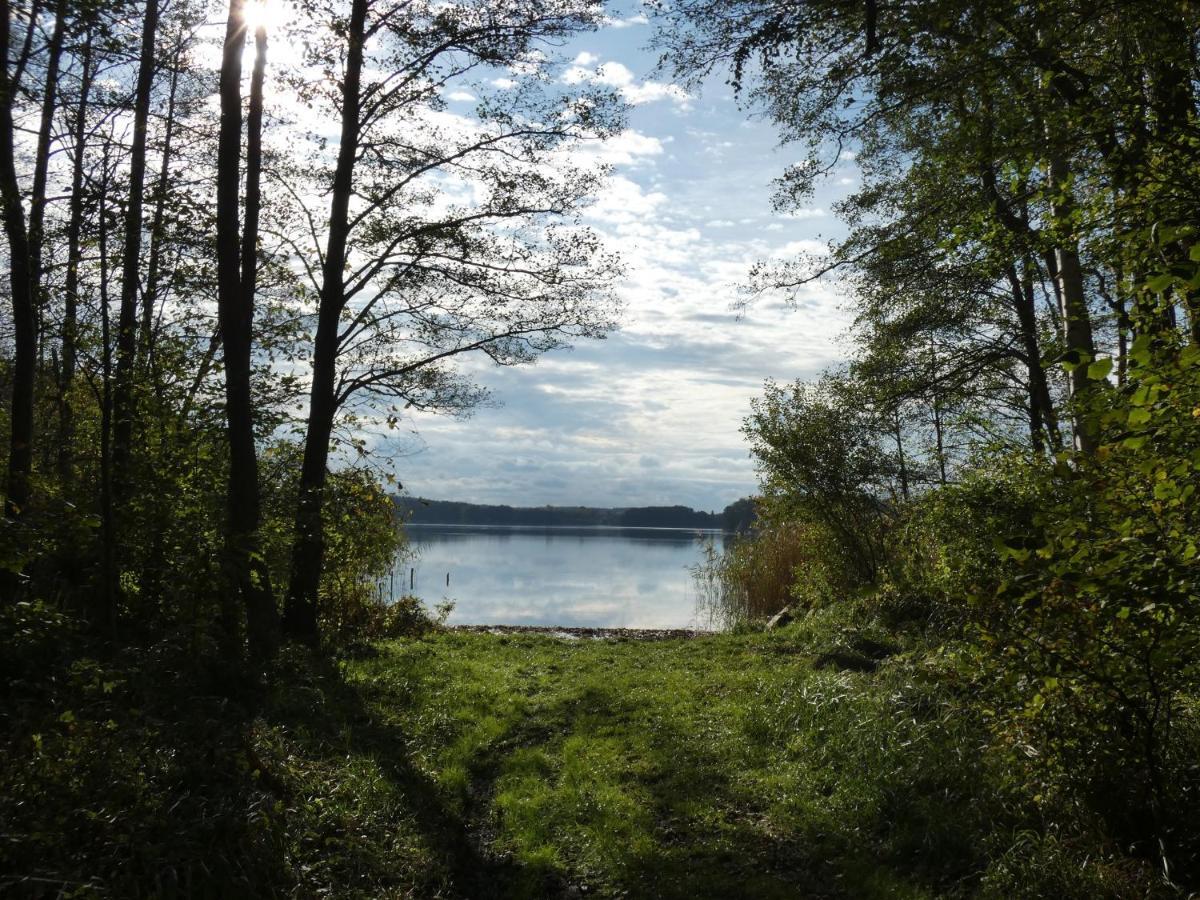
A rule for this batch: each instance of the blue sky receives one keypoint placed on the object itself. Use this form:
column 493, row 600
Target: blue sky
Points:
column 652, row 414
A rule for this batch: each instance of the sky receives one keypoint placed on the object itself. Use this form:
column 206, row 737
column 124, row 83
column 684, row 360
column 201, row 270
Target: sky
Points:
column 652, row 414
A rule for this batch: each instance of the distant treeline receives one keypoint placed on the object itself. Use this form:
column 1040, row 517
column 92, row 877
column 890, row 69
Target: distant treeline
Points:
column 736, row 517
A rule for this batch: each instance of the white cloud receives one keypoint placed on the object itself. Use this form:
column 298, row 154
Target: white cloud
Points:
column 618, row 76
column 806, row 247
column 586, row 59
column 504, row 84
column 461, row 96
column 628, row 148
column 623, row 201
column 809, row 213
column 529, row 64
column 628, row 22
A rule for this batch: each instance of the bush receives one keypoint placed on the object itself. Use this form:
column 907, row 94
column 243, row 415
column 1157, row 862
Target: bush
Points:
column 785, row 562
column 942, row 546
column 362, row 539
column 1092, row 631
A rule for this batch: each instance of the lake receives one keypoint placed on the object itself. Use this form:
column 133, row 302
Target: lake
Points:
column 593, row 577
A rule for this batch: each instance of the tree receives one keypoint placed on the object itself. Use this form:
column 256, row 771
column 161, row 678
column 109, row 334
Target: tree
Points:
column 131, row 258
column 820, row 450
column 411, row 277
column 1061, row 138
column 21, row 275
column 236, row 282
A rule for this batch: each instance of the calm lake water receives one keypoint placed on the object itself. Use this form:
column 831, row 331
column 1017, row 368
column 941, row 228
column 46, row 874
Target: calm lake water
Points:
column 584, row 577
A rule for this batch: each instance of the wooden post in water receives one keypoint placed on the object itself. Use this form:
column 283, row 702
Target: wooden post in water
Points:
column 412, row 578
column 447, row 579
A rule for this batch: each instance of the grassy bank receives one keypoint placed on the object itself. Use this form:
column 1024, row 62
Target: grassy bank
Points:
column 831, row 758
column 757, row 765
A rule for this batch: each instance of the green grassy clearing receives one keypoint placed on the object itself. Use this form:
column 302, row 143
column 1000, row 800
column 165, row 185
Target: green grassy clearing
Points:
column 833, row 758
column 758, row 765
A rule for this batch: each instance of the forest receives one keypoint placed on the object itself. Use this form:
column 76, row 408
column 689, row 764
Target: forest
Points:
column 243, row 248
column 417, row 510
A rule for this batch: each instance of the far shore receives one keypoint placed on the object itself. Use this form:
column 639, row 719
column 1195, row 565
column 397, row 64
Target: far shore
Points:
column 595, row 634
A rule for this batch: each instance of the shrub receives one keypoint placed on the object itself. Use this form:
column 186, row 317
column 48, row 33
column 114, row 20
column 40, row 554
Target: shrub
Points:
column 1092, row 632
column 787, row 561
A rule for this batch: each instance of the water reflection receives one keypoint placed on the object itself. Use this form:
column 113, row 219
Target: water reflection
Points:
column 585, row 577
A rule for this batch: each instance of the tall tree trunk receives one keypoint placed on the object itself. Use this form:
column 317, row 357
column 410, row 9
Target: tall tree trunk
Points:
column 105, row 601
column 154, row 263
column 1043, row 426
column 123, row 393
column 41, row 160
column 66, row 414
column 20, row 452
column 1114, row 299
column 899, row 435
column 1041, row 410
column 236, row 270
column 938, row 430
column 308, row 548
column 1077, row 322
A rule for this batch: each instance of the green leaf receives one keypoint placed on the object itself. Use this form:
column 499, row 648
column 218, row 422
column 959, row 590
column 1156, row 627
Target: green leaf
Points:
column 1138, row 417
column 1139, row 352
column 1099, row 370
column 1160, row 283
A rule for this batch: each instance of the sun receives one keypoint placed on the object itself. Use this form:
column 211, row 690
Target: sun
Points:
column 269, row 15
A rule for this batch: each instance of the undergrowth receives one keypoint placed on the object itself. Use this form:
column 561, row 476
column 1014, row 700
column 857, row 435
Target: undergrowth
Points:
column 833, row 758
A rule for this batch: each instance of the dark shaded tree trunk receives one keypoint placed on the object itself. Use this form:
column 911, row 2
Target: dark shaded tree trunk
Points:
column 127, row 322
column 1077, row 322
column 20, row 451
column 236, row 271
column 1041, row 409
column 308, row 548
column 898, row 433
column 41, row 163
column 1043, row 425
column 104, row 604
column 938, row 428
column 66, row 414
column 154, row 263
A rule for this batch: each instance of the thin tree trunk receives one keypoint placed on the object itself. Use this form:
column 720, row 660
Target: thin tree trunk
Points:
column 235, row 304
column 1077, row 323
column 1114, row 299
column 1041, row 410
column 154, row 263
column 202, row 370
column 66, row 414
column 41, row 164
column 105, row 604
column 308, row 548
column 20, row 453
column 262, row 615
column 937, row 414
column 900, row 454
column 123, row 393
column 1042, row 426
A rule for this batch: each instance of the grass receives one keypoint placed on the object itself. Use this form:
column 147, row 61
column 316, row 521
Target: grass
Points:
column 735, row 765
column 833, row 758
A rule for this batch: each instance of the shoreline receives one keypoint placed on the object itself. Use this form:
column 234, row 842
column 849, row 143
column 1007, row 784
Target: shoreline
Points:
column 574, row 633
